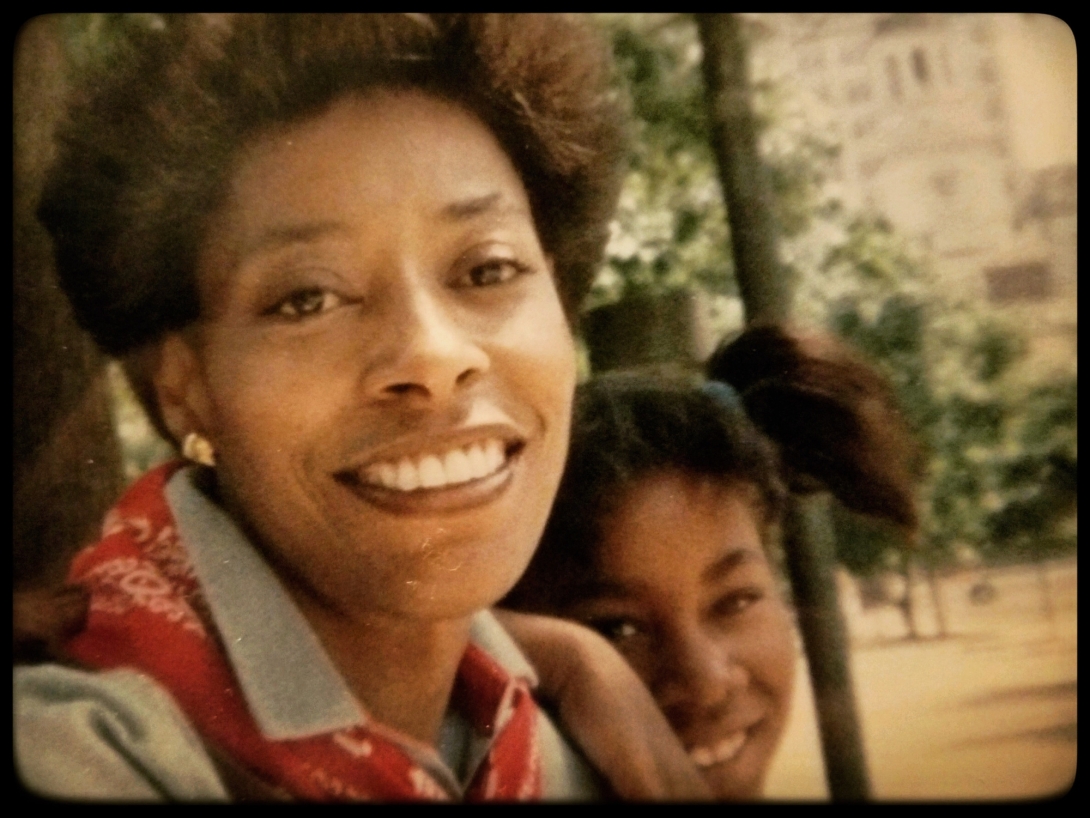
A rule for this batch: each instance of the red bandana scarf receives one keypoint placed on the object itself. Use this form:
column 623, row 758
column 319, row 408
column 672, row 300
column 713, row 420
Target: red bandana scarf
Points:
column 147, row 612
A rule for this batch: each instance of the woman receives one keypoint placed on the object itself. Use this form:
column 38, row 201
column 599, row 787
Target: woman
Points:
column 338, row 256
column 662, row 532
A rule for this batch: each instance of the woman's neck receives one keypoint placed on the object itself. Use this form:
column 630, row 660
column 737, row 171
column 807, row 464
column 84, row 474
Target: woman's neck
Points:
column 401, row 670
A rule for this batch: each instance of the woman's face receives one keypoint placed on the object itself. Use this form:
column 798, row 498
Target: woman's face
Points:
column 383, row 365
column 685, row 592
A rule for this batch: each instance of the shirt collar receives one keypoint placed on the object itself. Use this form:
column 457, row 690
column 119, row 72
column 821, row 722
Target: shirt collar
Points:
column 290, row 684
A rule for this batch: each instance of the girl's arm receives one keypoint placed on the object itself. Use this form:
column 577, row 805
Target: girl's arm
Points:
column 605, row 707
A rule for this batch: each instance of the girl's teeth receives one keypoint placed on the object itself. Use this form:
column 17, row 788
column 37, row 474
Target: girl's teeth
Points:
column 493, row 455
column 702, row 757
column 477, row 465
column 457, row 466
column 725, row 750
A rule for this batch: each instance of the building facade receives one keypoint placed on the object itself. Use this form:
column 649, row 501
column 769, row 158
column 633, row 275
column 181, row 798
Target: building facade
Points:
column 923, row 110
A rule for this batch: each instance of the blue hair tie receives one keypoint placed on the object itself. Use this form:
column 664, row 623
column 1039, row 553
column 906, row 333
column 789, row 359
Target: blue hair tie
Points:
column 724, row 394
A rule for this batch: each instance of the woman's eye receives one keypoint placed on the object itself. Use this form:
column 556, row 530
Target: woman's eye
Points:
column 494, row 271
column 303, row 303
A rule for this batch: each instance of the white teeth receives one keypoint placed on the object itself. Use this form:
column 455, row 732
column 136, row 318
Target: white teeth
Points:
column 408, row 478
column 725, row 750
column 432, row 471
column 456, row 465
column 477, row 465
column 387, row 475
column 493, row 455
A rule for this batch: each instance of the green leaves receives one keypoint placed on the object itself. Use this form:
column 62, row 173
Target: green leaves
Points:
column 1002, row 452
column 670, row 232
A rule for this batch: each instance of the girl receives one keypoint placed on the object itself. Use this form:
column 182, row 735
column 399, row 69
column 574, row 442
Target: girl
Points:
column 662, row 534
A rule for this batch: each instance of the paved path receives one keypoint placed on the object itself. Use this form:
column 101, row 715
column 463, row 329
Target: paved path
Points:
column 987, row 713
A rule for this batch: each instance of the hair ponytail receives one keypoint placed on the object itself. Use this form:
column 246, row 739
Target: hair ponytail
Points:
column 834, row 418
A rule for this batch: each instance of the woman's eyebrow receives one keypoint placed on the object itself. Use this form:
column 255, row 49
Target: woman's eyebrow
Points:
column 475, row 206
column 275, row 238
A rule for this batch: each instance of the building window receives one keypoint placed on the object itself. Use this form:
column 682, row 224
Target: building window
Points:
column 944, row 61
column 813, row 60
column 869, row 167
column 858, row 92
column 988, row 74
column 893, row 72
column 854, row 53
column 945, row 182
column 1019, row 282
column 919, row 66
column 894, row 22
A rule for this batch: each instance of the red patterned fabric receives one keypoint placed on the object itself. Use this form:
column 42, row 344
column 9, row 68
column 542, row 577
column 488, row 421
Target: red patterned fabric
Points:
column 147, row 612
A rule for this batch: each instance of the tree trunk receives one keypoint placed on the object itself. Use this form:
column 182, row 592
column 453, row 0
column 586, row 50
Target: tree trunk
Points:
column 936, row 599
column 808, row 546
column 67, row 461
column 908, row 605
column 746, row 190
column 766, row 294
column 1047, row 604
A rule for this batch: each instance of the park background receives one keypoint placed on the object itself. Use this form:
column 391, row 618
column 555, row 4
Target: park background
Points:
column 917, row 175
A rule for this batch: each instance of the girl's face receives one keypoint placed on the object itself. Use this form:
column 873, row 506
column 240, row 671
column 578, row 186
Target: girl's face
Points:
column 382, row 365
column 685, row 592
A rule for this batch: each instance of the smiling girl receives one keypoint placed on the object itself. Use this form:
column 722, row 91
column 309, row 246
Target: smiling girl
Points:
column 663, row 532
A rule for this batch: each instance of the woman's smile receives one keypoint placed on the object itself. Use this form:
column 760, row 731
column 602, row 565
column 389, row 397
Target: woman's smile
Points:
column 458, row 470
column 419, row 473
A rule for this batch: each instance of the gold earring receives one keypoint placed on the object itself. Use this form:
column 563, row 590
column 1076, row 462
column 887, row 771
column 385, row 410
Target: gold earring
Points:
column 198, row 449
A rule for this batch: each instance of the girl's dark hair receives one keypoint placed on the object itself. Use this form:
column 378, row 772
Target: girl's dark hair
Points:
column 834, row 418
column 802, row 414
column 151, row 136
column 625, row 427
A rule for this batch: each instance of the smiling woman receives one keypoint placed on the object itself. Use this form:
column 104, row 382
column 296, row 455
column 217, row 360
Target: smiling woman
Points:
column 350, row 313
column 338, row 256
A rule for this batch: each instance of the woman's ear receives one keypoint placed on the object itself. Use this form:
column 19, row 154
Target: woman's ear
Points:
column 180, row 389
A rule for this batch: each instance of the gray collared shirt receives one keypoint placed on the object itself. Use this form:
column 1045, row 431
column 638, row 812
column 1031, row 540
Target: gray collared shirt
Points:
column 119, row 735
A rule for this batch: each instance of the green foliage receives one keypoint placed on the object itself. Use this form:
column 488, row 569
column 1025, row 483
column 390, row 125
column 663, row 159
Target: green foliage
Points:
column 1001, row 454
column 670, row 232
column 1040, row 479
column 863, row 544
column 98, row 38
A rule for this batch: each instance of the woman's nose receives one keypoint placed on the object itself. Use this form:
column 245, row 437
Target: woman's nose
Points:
column 698, row 673
column 431, row 352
